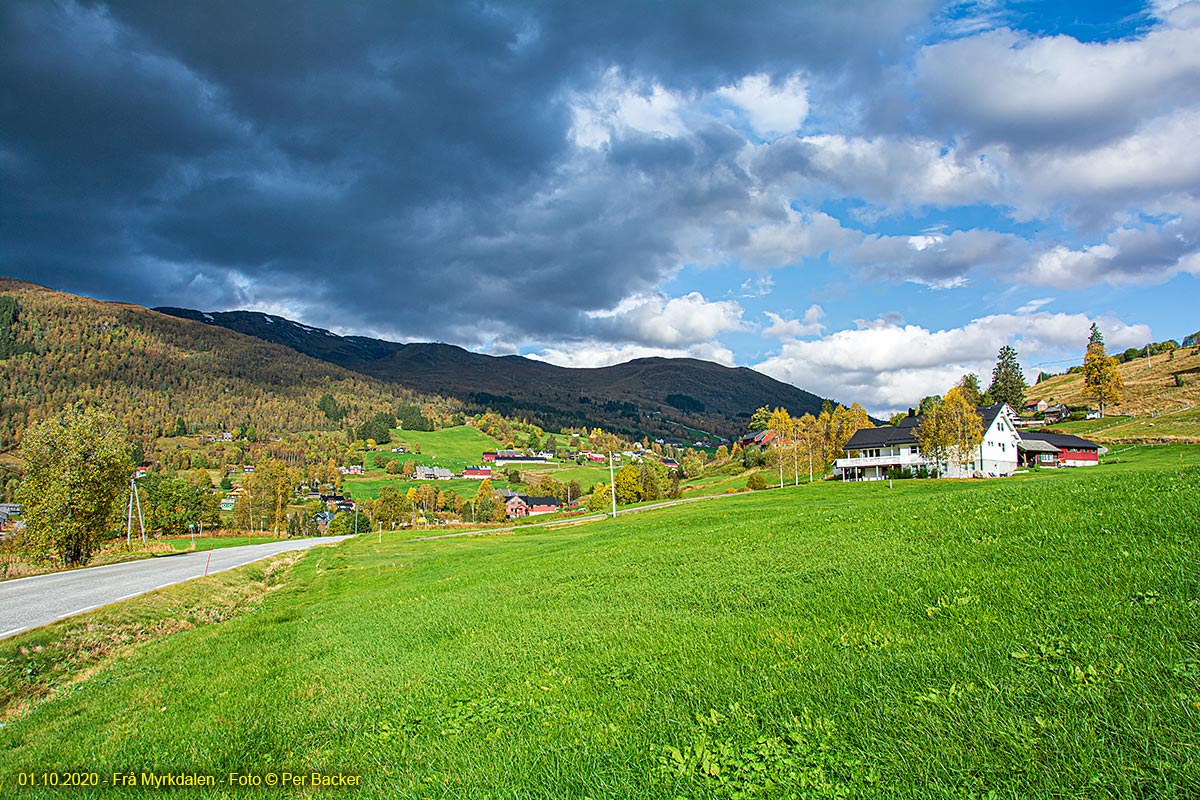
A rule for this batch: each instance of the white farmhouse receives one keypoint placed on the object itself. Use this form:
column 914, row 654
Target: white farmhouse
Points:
column 871, row 452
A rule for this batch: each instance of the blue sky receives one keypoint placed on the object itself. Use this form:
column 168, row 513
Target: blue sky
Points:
column 866, row 199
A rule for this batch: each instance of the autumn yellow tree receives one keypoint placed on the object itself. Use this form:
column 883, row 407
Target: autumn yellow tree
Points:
column 808, row 440
column 783, row 445
column 834, row 428
column 271, row 486
column 951, row 431
column 1101, row 376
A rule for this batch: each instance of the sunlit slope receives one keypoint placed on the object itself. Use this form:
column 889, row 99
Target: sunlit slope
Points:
column 1148, row 389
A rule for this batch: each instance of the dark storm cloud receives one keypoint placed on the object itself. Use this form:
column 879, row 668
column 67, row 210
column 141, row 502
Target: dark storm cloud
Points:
column 409, row 163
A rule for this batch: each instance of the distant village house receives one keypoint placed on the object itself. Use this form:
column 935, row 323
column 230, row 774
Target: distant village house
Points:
column 520, row 505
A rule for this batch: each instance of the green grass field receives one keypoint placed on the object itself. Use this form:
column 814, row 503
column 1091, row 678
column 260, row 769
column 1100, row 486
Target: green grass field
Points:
column 1028, row 638
column 452, row 448
column 215, row 542
column 1172, row 426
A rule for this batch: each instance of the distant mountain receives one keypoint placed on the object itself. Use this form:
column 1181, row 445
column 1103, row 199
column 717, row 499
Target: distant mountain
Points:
column 671, row 397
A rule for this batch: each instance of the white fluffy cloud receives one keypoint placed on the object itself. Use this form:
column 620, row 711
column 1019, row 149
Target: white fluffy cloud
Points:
column 796, row 237
column 1007, row 86
column 770, row 109
column 1143, row 255
column 677, row 322
column 1158, row 158
column 888, row 366
column 891, row 172
column 941, row 261
column 619, row 105
column 809, row 325
column 594, row 353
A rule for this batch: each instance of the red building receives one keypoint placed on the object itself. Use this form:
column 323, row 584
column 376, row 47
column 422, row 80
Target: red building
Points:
column 1072, row 451
column 520, row 505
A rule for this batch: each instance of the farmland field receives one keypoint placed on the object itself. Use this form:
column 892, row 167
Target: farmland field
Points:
column 1036, row 637
column 1175, row 425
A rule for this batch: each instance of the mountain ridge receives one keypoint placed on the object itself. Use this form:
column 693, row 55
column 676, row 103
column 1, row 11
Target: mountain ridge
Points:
column 666, row 396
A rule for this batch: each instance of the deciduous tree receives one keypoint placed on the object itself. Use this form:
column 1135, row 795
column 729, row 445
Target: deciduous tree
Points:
column 77, row 469
column 392, row 508
column 951, row 431
column 1101, row 375
column 629, row 485
column 969, row 384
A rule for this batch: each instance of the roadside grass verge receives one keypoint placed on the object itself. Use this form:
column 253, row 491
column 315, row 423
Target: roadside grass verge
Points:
column 50, row 661
column 15, row 564
column 943, row 639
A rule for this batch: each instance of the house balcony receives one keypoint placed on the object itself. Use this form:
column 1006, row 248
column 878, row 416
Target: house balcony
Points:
column 903, row 460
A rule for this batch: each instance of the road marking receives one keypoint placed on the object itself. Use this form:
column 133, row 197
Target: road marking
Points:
column 80, row 611
column 126, row 597
column 14, row 630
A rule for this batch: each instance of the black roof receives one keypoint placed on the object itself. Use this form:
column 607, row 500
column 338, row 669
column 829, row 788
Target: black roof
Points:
column 989, row 413
column 887, row 436
column 1060, row 440
column 540, row 501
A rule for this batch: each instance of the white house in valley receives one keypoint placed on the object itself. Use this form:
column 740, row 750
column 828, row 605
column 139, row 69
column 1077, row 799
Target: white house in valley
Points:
column 872, row 452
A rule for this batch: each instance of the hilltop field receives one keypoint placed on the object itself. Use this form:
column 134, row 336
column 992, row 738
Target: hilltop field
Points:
column 1153, row 405
column 1032, row 637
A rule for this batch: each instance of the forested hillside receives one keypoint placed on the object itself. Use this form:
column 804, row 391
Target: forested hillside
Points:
column 151, row 370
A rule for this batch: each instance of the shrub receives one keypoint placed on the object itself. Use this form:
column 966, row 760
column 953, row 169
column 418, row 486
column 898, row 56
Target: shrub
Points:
column 756, row 482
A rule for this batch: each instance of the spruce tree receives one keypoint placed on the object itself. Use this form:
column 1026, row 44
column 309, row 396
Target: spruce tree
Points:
column 1008, row 381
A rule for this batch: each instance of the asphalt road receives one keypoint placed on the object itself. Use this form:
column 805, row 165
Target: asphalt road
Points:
column 41, row 599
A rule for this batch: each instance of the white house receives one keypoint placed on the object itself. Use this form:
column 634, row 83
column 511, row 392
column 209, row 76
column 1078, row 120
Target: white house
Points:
column 432, row 474
column 872, row 452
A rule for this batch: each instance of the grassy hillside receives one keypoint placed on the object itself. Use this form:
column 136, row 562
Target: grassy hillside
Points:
column 1028, row 638
column 149, row 369
column 1148, row 390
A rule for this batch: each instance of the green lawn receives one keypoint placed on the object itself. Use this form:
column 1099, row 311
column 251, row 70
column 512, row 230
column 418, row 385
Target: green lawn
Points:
column 565, row 473
column 1032, row 638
